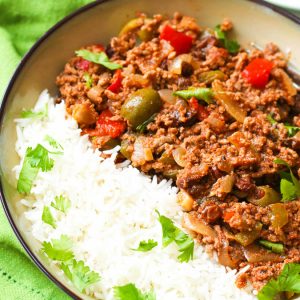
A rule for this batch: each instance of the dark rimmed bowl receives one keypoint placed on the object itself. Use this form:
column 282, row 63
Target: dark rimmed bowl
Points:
column 255, row 21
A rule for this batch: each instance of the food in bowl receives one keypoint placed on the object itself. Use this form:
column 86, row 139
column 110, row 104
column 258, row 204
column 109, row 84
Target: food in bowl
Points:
column 215, row 126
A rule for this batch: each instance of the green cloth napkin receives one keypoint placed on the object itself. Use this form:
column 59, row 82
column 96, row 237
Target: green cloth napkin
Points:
column 22, row 22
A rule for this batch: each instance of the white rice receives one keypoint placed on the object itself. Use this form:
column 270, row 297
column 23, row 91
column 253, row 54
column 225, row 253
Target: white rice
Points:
column 113, row 209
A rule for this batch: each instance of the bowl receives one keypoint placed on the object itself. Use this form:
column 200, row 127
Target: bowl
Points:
column 255, row 21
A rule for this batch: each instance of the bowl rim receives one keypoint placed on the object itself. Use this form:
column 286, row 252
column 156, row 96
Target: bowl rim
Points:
column 9, row 88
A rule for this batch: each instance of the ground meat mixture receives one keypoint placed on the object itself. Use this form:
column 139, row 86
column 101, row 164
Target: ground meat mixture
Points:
column 188, row 103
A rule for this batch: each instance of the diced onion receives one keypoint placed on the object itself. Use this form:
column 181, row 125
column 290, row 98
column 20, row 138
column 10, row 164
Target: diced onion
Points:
column 288, row 83
column 190, row 222
column 176, row 65
column 167, row 96
column 254, row 254
column 229, row 104
column 185, row 200
column 178, row 155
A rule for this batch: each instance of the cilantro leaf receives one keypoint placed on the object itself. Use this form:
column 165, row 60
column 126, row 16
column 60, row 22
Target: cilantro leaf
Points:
column 204, row 94
column 287, row 281
column 59, row 249
column 80, row 274
column 271, row 119
column 292, row 130
column 274, row 247
column 287, row 190
column 98, row 58
column 289, row 184
column 168, row 229
column 39, row 158
column 61, row 203
column 173, row 234
column 131, row 292
column 88, row 80
column 186, row 246
column 142, row 127
column 35, row 159
column 145, row 246
column 27, row 175
column 30, row 114
column 47, row 217
column 53, row 143
column 231, row 45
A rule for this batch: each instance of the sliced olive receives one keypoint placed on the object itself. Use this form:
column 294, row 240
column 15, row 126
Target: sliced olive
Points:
column 269, row 196
column 140, row 106
column 131, row 25
column 110, row 144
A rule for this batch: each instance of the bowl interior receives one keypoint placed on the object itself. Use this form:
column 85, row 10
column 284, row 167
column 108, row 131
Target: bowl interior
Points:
column 96, row 25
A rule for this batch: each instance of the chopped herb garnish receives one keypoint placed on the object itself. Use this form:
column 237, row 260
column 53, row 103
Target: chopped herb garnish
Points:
column 27, row 175
column 287, row 281
column 289, row 184
column 61, row 203
column 98, row 58
column 274, row 247
column 142, row 127
column 60, row 249
column 53, row 143
column 292, row 130
column 80, row 274
column 88, row 80
column 30, row 114
column 173, row 234
column 205, row 94
column 131, row 292
column 47, row 217
column 145, row 246
column 231, row 45
column 271, row 119
column 35, row 159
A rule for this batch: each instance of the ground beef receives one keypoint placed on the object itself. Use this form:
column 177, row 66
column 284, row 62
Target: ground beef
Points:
column 221, row 162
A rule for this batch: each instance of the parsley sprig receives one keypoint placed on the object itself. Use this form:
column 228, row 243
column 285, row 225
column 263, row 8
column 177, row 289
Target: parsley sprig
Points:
column 171, row 233
column 131, row 292
column 98, row 58
column 287, row 281
column 231, row 45
column 145, row 246
column 289, row 184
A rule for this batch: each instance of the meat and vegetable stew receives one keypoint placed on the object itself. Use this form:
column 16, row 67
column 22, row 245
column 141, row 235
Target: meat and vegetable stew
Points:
column 223, row 122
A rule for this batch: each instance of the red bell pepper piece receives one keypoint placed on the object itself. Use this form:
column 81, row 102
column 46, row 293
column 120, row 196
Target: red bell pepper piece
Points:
column 107, row 127
column 228, row 215
column 181, row 42
column 99, row 47
column 117, row 82
column 202, row 112
column 83, row 64
column 257, row 73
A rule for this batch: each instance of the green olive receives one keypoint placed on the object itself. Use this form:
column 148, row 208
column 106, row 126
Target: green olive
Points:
column 110, row 144
column 140, row 106
column 131, row 25
column 209, row 76
column 270, row 196
column 246, row 238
